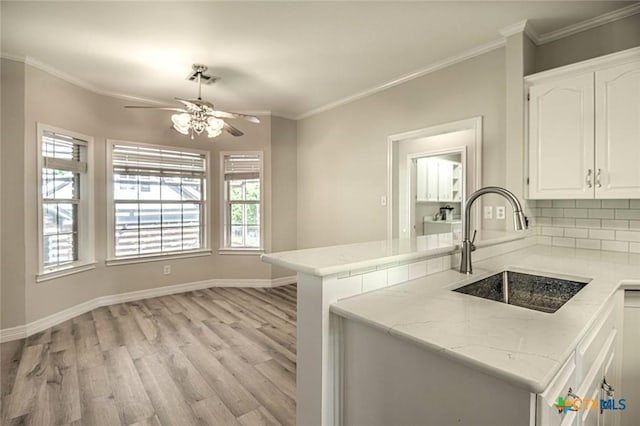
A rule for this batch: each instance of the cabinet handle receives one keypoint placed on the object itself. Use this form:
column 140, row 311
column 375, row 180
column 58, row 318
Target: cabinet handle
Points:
column 607, row 388
column 570, row 394
column 598, row 178
column 589, row 183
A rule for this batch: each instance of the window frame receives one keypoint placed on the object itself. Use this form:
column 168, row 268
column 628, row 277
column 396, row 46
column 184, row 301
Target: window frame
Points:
column 204, row 250
column 223, row 248
column 86, row 217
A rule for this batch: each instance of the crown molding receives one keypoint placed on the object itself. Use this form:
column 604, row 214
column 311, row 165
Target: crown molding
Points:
column 523, row 26
column 496, row 44
column 588, row 24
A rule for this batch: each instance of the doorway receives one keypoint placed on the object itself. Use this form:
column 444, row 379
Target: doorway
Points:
column 448, row 148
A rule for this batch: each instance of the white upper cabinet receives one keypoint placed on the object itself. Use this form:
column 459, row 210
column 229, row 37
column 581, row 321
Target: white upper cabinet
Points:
column 438, row 180
column 584, row 129
column 618, row 132
column 561, row 138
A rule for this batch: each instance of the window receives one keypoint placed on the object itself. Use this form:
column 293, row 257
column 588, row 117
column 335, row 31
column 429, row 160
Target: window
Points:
column 158, row 203
column 65, row 203
column 242, row 180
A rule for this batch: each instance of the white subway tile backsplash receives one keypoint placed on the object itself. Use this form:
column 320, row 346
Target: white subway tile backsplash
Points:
column 628, row 214
column 563, row 242
column 545, row 241
column 615, row 246
column 588, row 204
column 552, row 212
column 576, row 213
column 588, row 244
column 552, row 232
column 588, row 223
column 435, row 265
column 601, row 213
column 628, row 236
column 576, row 233
column 615, row 204
column 417, row 270
column 602, row 234
column 563, row 221
column 374, row 280
column 615, row 224
column 563, row 203
column 397, row 275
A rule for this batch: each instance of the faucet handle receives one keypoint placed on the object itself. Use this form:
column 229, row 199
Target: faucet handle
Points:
column 473, row 239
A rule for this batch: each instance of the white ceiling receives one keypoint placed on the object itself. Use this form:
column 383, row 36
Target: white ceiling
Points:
column 286, row 57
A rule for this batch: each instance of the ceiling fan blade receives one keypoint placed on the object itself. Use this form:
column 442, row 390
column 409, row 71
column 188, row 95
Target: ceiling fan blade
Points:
column 189, row 103
column 225, row 114
column 232, row 130
column 160, row 108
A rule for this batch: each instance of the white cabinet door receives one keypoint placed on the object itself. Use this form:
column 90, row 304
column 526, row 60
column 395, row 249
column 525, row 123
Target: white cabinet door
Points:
column 432, row 179
column 618, row 131
column 445, row 180
column 561, row 138
column 421, row 179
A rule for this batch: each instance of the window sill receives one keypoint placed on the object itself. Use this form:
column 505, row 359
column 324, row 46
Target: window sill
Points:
column 63, row 272
column 241, row 251
column 156, row 257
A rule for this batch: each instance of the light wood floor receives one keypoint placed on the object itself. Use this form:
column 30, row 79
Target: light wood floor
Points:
column 221, row 356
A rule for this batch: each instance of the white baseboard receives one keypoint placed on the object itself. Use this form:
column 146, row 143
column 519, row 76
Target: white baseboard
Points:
column 22, row 331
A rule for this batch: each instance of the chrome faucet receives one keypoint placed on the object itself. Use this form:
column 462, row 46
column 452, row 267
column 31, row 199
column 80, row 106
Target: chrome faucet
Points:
column 519, row 222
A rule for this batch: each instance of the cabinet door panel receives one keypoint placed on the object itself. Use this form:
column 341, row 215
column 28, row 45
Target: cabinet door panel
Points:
column 618, row 131
column 561, row 138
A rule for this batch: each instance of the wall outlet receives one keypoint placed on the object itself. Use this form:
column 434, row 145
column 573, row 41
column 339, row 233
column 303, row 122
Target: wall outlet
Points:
column 166, row 269
column 488, row 212
column 383, row 200
column 500, row 212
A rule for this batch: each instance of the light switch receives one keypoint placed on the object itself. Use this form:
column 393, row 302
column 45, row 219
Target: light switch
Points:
column 500, row 212
column 488, row 212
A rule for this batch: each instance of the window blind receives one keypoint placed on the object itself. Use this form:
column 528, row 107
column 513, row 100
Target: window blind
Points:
column 62, row 152
column 241, row 166
column 145, row 161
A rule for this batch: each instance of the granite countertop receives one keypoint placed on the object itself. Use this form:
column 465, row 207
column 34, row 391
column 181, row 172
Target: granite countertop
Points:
column 331, row 260
column 522, row 346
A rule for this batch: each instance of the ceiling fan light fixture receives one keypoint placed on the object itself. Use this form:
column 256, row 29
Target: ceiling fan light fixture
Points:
column 181, row 122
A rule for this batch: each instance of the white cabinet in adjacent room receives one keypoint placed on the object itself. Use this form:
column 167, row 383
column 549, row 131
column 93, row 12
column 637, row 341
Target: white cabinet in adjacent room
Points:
column 584, row 132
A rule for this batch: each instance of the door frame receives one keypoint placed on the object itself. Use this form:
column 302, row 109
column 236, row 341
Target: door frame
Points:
column 474, row 123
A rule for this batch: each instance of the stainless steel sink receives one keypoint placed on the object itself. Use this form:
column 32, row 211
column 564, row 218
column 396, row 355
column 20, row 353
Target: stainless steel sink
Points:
column 540, row 293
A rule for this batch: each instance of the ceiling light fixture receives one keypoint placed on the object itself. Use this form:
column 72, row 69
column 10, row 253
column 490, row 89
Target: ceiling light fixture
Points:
column 198, row 116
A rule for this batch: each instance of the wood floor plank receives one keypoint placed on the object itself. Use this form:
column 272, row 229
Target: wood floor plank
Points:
column 10, row 355
column 151, row 421
column 87, row 346
column 130, row 395
column 133, row 338
column 244, row 347
column 101, row 411
column 170, row 404
column 212, row 411
column 259, row 417
column 108, row 334
column 187, row 378
column 30, row 378
column 62, row 387
column 284, row 379
column 231, row 392
column 274, row 400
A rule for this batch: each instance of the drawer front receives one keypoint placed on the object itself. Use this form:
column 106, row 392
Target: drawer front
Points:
column 547, row 412
column 592, row 344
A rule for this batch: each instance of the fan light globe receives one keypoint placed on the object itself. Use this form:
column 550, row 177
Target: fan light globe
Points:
column 213, row 133
column 214, row 123
column 181, row 122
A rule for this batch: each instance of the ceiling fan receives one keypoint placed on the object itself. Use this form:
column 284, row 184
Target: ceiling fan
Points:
column 197, row 115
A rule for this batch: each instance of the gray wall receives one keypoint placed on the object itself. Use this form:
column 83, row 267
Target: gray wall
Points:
column 612, row 37
column 12, row 266
column 342, row 153
column 50, row 100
